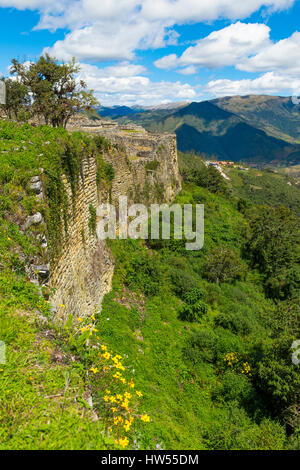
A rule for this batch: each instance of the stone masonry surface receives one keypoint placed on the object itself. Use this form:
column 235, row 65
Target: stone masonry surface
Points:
column 146, row 171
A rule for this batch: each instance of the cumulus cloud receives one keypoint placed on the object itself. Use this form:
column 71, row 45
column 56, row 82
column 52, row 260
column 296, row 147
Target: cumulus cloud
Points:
column 222, row 48
column 205, row 10
column 283, row 55
column 54, row 5
column 268, row 83
column 107, row 30
column 191, row 70
column 109, row 41
column 178, row 11
column 110, row 29
column 121, row 85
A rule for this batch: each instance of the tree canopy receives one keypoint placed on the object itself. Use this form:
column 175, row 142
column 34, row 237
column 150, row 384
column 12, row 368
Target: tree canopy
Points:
column 52, row 89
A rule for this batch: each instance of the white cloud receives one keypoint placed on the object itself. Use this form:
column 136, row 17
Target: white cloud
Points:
column 177, row 11
column 191, row 70
column 205, row 10
column 105, row 30
column 268, row 83
column 281, row 56
column 54, row 5
column 111, row 40
column 113, row 86
column 168, row 62
column 123, row 69
column 222, row 48
column 114, row 29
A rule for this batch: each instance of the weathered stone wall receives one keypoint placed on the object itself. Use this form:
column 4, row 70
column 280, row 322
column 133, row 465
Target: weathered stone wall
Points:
column 83, row 273
column 135, row 174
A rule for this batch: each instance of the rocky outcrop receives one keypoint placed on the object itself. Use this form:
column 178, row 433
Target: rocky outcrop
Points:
column 146, row 170
column 146, row 166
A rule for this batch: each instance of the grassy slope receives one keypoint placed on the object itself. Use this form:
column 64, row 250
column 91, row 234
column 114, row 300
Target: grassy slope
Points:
column 266, row 187
column 275, row 115
column 42, row 398
column 180, row 395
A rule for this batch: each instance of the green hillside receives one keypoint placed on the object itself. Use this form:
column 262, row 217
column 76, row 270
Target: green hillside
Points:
column 275, row 115
column 260, row 130
column 205, row 336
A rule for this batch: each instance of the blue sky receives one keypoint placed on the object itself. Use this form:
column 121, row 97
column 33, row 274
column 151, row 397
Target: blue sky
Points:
column 150, row 52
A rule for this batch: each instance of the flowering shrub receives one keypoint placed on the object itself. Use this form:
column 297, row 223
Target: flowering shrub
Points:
column 237, row 364
column 111, row 385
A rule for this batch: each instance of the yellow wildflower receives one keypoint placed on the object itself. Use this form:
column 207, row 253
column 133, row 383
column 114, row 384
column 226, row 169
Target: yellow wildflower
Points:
column 127, row 425
column 145, row 418
column 123, row 442
column 139, row 394
column 120, row 366
column 125, row 404
column 131, row 384
column 106, row 355
column 94, row 370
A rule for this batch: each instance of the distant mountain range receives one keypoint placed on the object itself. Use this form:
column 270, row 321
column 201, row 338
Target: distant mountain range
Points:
column 255, row 129
column 115, row 112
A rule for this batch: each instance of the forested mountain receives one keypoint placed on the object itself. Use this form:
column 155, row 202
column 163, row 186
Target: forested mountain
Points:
column 255, row 129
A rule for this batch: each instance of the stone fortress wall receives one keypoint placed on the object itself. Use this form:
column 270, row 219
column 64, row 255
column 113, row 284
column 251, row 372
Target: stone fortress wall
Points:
column 146, row 171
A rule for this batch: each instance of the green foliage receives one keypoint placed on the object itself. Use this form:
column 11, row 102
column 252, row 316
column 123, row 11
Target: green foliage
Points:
column 194, row 308
column 255, row 187
column 224, row 265
column 93, row 219
column 138, row 269
column 17, row 100
column 153, row 165
column 193, row 312
column 55, row 92
column 224, row 315
column 235, row 388
column 194, row 295
column 182, row 281
column 273, row 247
column 212, row 345
column 210, row 351
column 195, row 171
column 102, row 143
column 109, row 172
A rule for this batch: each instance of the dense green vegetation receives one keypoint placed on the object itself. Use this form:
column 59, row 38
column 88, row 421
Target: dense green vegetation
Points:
column 206, row 335
column 46, row 89
column 45, row 384
column 210, row 332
